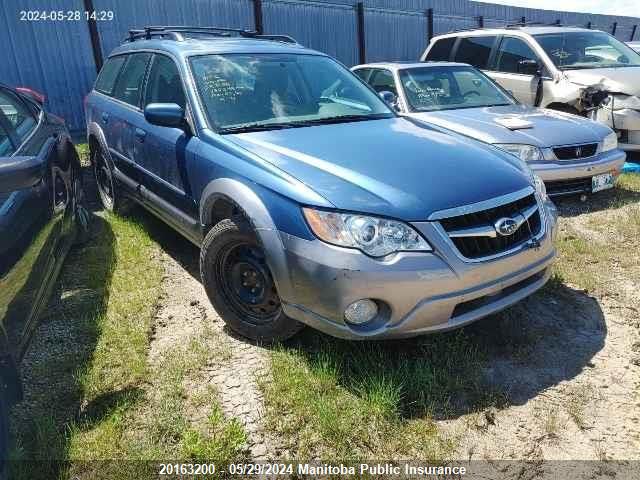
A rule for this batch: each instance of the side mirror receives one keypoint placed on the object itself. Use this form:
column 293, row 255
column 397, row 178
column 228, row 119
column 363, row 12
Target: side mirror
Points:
column 390, row 98
column 529, row 67
column 165, row 115
column 17, row 173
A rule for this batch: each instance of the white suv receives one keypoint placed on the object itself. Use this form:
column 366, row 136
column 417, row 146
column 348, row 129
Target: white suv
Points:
column 575, row 70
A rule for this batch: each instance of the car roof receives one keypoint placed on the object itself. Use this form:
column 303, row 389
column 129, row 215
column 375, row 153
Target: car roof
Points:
column 408, row 65
column 529, row 30
column 203, row 46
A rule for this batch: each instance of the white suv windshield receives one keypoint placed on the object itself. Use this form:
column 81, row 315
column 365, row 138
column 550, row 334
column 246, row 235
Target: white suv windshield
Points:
column 244, row 92
column 448, row 88
column 584, row 50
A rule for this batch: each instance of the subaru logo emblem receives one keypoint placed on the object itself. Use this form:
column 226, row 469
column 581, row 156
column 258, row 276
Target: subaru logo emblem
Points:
column 506, row 226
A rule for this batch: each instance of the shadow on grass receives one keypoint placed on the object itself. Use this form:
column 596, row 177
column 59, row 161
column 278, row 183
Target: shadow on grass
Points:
column 620, row 196
column 505, row 359
column 62, row 347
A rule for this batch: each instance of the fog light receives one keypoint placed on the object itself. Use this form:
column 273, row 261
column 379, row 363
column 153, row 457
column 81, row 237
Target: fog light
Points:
column 361, row 311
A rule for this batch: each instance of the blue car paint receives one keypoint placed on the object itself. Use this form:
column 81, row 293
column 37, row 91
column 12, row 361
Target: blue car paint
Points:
column 367, row 166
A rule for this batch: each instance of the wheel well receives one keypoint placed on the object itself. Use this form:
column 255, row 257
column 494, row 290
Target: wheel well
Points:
column 222, row 209
column 563, row 107
column 94, row 145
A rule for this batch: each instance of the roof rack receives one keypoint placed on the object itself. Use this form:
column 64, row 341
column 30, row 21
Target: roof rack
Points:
column 535, row 24
column 176, row 33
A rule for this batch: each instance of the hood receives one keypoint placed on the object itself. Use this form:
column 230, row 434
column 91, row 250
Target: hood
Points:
column 547, row 128
column 390, row 167
column 617, row 80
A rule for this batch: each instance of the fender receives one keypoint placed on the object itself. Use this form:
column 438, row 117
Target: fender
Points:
column 256, row 212
column 93, row 129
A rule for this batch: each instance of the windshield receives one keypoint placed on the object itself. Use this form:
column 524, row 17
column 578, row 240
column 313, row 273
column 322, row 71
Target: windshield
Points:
column 584, row 50
column 268, row 91
column 447, row 88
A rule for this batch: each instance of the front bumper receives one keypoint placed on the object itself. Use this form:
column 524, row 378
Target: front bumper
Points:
column 556, row 172
column 419, row 292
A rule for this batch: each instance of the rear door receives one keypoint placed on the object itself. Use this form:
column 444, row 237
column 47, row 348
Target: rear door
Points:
column 507, row 69
column 475, row 51
column 123, row 112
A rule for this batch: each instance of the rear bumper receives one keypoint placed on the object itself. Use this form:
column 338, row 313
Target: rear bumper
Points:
column 417, row 293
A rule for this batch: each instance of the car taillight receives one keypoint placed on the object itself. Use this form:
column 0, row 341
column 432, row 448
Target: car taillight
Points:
column 37, row 96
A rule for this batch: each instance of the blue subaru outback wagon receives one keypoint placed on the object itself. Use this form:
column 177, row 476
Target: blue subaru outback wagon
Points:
column 312, row 202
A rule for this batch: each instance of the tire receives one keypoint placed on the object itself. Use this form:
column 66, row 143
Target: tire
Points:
column 82, row 215
column 4, row 434
column 239, row 283
column 110, row 197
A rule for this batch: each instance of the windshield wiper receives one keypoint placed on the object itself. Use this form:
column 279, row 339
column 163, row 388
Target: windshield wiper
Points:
column 344, row 119
column 256, row 127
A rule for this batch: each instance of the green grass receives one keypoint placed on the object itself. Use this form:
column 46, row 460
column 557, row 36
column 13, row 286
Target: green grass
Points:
column 94, row 395
column 336, row 399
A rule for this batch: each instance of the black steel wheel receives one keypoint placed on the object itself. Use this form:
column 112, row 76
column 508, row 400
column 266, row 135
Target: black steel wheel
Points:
column 111, row 199
column 240, row 285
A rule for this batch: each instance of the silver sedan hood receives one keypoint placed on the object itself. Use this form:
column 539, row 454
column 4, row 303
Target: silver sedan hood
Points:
column 540, row 127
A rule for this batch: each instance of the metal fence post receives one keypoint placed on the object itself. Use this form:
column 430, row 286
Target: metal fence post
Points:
column 362, row 44
column 523, row 20
column 429, row 14
column 94, row 35
column 589, row 25
column 257, row 16
column 481, row 21
column 633, row 32
column 615, row 27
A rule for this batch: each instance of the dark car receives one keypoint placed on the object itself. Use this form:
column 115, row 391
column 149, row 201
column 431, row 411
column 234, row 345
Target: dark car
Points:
column 40, row 214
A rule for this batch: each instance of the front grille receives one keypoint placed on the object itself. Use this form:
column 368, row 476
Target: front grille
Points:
column 568, row 187
column 576, row 151
column 480, row 246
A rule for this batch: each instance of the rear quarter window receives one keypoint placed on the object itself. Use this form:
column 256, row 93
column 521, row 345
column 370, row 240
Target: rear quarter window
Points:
column 108, row 75
column 441, row 50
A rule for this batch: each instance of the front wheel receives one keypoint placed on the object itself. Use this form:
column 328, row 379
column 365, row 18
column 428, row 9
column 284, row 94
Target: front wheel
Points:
column 240, row 285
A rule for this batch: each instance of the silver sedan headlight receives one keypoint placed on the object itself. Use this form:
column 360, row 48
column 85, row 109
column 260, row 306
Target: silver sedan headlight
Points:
column 526, row 153
column 610, row 142
column 374, row 236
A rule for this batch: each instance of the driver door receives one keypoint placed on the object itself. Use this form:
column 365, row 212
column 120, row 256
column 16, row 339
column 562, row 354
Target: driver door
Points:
column 507, row 73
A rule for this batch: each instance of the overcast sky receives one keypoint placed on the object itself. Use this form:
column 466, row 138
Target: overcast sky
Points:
column 630, row 8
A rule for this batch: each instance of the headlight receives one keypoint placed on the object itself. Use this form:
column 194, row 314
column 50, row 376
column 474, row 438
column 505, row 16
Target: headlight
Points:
column 610, row 142
column 526, row 153
column 374, row 236
column 618, row 102
column 539, row 186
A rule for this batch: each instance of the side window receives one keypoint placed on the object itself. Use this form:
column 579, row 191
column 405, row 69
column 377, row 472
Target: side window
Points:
column 513, row 50
column 363, row 73
column 129, row 84
column 382, row 80
column 164, row 84
column 19, row 115
column 6, row 147
column 441, row 50
column 108, row 75
column 475, row 51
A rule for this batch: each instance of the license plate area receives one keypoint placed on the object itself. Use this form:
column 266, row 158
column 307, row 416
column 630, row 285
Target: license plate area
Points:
column 602, row 182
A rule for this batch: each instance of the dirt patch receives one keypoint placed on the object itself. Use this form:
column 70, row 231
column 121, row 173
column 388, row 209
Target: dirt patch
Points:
column 565, row 361
column 234, row 365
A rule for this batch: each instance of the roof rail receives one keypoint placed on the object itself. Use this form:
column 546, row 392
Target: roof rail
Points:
column 176, row 33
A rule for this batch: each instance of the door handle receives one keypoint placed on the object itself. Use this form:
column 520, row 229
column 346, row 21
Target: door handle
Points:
column 105, row 118
column 140, row 135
